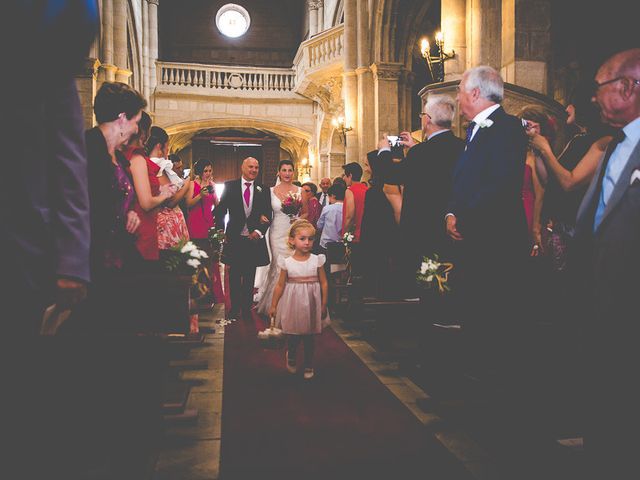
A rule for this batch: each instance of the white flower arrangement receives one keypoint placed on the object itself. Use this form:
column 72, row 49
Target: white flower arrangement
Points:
column 258, row 188
column 434, row 272
column 185, row 258
column 347, row 238
column 486, row 123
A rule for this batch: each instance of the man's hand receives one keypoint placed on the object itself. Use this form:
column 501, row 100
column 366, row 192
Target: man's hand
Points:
column 254, row 236
column 133, row 221
column 384, row 143
column 407, row 140
column 264, row 220
column 451, row 228
column 69, row 293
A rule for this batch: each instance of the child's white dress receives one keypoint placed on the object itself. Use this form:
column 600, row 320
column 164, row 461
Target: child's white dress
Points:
column 299, row 310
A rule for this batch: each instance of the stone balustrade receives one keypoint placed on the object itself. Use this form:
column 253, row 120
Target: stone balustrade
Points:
column 198, row 79
column 322, row 51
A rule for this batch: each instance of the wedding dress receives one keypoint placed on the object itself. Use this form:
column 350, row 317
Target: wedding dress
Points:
column 278, row 233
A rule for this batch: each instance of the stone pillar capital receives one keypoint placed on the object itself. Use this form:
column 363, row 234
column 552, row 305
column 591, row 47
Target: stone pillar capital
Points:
column 153, row 2
column 313, row 4
column 89, row 68
column 123, row 75
column 387, row 71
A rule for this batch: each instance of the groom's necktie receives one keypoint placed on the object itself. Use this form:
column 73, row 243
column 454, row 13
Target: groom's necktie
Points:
column 469, row 132
column 247, row 193
column 324, row 199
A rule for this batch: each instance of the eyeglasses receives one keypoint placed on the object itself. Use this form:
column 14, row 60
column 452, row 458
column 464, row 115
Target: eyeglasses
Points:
column 423, row 114
column 597, row 85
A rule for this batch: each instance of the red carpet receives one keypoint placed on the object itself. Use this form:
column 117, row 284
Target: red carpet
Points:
column 342, row 424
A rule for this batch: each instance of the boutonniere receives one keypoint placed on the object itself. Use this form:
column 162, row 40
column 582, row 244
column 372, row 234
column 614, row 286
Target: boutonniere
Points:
column 486, row 123
column 258, row 188
column 635, row 176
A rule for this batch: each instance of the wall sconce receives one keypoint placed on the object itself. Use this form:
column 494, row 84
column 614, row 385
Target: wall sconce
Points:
column 305, row 169
column 436, row 62
column 338, row 124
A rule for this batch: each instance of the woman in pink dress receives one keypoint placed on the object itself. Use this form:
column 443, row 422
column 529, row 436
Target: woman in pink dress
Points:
column 201, row 201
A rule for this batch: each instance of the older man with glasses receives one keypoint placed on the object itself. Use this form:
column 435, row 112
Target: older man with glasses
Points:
column 608, row 230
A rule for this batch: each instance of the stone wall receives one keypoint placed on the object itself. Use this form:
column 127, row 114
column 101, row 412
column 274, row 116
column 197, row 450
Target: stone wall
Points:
column 188, row 33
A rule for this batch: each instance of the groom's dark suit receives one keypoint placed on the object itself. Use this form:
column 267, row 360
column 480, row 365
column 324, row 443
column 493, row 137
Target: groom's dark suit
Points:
column 487, row 203
column 240, row 253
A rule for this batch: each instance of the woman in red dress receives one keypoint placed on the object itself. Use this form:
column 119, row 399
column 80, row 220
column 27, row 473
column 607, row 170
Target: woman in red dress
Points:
column 201, row 200
column 171, row 225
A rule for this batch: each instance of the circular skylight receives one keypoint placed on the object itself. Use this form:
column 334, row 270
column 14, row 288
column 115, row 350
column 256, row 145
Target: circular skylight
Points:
column 232, row 20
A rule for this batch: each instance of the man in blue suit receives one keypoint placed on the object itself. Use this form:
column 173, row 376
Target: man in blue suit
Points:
column 486, row 216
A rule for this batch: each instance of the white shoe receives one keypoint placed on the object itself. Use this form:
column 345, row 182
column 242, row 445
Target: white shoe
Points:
column 308, row 373
column 290, row 368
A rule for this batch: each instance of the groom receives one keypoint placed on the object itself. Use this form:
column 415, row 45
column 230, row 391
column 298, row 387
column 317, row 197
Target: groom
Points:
column 249, row 207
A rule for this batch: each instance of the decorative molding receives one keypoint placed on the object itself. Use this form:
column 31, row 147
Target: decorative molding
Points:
column 387, row 71
column 153, row 2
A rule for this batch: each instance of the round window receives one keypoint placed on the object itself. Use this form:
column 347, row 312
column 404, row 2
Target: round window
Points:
column 232, row 20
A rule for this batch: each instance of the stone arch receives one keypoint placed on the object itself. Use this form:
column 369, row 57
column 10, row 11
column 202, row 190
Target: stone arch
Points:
column 395, row 29
column 293, row 140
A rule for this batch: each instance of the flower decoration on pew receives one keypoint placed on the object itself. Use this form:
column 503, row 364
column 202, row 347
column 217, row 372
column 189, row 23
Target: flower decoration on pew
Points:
column 184, row 259
column 433, row 272
column 347, row 241
column 292, row 205
column 216, row 239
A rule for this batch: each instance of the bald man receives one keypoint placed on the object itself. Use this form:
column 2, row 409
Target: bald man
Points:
column 322, row 195
column 608, row 230
column 248, row 204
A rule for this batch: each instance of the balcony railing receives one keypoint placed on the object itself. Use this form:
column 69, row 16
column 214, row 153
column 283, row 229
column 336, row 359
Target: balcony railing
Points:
column 225, row 80
column 316, row 57
column 322, row 51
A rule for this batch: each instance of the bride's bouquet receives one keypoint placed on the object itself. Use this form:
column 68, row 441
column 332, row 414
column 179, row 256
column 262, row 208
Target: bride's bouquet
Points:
column 292, row 205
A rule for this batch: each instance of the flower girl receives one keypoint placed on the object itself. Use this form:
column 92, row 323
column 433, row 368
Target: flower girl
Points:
column 300, row 297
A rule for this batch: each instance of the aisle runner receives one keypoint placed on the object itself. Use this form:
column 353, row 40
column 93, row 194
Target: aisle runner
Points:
column 344, row 422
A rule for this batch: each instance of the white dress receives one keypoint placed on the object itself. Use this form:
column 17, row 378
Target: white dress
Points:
column 278, row 233
column 300, row 307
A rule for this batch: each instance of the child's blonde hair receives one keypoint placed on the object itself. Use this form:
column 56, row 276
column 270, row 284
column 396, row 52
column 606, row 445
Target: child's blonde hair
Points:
column 298, row 225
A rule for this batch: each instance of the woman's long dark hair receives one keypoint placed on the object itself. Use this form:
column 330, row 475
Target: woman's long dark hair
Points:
column 157, row 136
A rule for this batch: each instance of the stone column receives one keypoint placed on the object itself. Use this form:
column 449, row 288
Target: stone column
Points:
column 386, row 85
column 484, row 33
column 453, row 22
column 107, row 69
column 86, row 83
column 350, row 81
column 120, row 49
column 145, row 49
column 313, row 18
column 153, row 44
column 526, row 43
column 366, row 128
column 320, row 4
column 405, row 100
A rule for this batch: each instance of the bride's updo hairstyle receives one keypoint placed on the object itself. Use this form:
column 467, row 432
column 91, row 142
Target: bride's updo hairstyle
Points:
column 296, row 227
column 286, row 161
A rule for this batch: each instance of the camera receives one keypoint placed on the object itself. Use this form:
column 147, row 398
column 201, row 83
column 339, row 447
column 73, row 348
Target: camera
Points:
column 208, row 188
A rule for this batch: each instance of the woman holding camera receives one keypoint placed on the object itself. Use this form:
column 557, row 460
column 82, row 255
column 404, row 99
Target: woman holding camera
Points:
column 200, row 201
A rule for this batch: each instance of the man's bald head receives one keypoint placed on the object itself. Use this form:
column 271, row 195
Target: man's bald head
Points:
column 250, row 168
column 617, row 90
column 325, row 183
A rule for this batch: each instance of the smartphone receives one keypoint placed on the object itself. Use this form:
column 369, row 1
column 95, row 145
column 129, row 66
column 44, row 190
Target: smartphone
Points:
column 394, row 140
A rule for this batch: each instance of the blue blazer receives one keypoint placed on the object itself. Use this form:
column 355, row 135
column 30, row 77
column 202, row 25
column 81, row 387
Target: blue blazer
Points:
column 487, row 184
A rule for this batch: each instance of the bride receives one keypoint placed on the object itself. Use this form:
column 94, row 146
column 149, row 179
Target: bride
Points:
column 278, row 233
